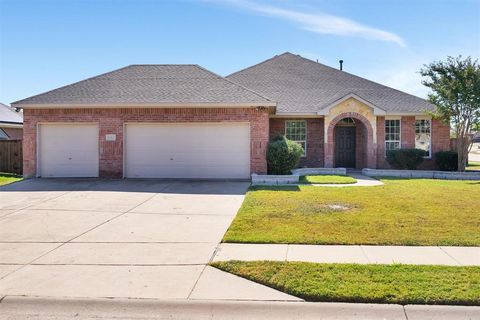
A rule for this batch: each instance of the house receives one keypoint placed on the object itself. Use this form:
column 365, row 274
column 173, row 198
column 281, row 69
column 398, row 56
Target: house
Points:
column 183, row 121
column 11, row 123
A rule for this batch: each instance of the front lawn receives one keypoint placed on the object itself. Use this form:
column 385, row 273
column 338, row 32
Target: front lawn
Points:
column 401, row 212
column 402, row 284
column 6, row 178
column 473, row 165
column 327, row 179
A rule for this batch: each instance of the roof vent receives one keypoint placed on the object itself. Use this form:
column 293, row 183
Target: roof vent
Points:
column 341, row 64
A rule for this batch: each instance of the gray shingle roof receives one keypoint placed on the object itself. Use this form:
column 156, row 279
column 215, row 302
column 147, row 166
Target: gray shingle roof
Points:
column 150, row 84
column 7, row 115
column 299, row 85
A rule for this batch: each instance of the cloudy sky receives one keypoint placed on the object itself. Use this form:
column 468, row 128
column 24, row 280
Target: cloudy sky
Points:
column 45, row 44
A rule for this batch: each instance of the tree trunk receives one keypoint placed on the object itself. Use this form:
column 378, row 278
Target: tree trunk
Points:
column 463, row 145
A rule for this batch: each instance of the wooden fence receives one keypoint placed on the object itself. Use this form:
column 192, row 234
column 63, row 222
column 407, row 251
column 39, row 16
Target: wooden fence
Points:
column 11, row 160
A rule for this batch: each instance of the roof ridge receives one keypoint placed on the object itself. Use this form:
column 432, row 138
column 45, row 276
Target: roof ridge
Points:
column 236, row 84
column 71, row 84
column 257, row 64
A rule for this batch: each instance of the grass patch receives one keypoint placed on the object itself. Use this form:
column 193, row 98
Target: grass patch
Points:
column 7, row 178
column 473, row 165
column 401, row 212
column 327, row 179
column 402, row 284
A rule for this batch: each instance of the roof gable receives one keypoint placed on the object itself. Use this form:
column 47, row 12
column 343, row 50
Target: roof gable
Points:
column 300, row 85
column 150, row 84
column 7, row 115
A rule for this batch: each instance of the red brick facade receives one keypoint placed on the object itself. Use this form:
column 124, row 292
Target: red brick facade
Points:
column 111, row 120
column 314, row 157
column 440, row 133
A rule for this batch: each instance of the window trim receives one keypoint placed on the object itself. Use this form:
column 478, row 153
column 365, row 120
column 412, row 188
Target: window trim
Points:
column 400, row 128
column 431, row 133
column 304, row 155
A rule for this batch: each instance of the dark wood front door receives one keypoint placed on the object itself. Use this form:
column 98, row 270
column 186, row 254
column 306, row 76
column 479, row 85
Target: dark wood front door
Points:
column 345, row 147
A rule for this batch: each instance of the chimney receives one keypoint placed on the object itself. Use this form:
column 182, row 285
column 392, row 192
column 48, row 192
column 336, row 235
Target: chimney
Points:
column 341, row 64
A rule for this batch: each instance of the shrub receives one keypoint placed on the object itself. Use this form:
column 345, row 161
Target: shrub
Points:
column 408, row 159
column 446, row 160
column 283, row 155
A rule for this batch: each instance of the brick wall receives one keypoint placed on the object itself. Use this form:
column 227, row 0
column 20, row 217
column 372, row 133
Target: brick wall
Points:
column 315, row 139
column 111, row 120
column 440, row 139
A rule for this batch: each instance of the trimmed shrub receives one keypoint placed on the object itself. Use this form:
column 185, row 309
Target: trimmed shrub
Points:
column 283, row 155
column 406, row 159
column 446, row 160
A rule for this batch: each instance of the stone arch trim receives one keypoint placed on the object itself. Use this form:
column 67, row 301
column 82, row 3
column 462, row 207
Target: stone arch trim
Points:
column 330, row 148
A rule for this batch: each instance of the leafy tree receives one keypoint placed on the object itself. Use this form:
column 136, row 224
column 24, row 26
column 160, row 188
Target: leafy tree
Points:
column 455, row 85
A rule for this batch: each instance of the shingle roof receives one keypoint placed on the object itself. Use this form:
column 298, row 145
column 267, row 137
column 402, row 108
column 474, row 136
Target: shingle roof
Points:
column 150, row 84
column 299, row 85
column 7, row 115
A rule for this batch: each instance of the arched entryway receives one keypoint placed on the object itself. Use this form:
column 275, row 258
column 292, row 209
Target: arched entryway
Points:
column 350, row 142
column 345, row 143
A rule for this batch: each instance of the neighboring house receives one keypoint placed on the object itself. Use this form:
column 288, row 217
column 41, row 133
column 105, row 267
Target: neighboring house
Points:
column 182, row 121
column 11, row 123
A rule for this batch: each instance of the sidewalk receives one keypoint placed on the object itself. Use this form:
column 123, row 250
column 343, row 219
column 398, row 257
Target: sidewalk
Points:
column 12, row 308
column 452, row 256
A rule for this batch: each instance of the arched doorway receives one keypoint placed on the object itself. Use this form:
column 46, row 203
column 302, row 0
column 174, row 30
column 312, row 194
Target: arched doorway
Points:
column 345, row 143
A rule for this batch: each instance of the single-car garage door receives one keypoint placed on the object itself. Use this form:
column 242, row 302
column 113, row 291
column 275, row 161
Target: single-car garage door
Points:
column 187, row 150
column 68, row 150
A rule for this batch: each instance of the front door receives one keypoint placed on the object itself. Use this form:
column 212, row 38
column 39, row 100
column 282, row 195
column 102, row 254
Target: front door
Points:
column 345, row 146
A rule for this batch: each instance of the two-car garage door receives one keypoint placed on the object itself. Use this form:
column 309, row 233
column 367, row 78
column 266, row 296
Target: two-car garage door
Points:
column 187, row 150
column 157, row 150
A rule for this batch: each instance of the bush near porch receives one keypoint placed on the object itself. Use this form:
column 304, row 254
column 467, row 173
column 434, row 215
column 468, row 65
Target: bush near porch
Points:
column 401, row 212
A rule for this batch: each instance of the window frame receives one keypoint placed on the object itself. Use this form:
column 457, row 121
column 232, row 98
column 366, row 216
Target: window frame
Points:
column 304, row 155
column 399, row 135
column 430, row 136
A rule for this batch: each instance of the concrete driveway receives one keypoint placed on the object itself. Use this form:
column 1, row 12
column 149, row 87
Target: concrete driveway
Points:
column 118, row 238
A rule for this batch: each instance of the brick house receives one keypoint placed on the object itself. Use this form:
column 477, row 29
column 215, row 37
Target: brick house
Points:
column 182, row 121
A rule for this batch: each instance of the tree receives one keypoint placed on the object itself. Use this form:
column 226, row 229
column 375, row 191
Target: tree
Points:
column 455, row 85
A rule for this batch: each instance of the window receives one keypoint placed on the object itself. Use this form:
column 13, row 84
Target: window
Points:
column 296, row 130
column 423, row 135
column 392, row 135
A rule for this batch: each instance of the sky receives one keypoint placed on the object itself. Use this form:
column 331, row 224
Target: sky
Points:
column 45, row 44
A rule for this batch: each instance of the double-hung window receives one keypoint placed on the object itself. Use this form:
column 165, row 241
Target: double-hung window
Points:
column 296, row 130
column 392, row 135
column 423, row 135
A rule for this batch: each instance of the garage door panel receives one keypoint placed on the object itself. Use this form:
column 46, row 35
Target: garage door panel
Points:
column 68, row 150
column 193, row 150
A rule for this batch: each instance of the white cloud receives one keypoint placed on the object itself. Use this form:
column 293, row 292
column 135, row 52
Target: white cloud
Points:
column 320, row 22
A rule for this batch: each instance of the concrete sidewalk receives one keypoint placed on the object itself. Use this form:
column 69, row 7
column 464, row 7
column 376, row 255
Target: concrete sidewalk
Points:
column 452, row 256
column 13, row 308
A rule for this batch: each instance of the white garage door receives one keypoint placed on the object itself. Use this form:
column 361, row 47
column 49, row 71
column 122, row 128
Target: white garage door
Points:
column 187, row 150
column 68, row 150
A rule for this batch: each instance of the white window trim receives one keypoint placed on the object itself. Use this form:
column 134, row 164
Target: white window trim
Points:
column 304, row 121
column 431, row 134
column 400, row 127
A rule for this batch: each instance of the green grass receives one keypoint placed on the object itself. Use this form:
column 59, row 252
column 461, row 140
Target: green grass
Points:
column 6, row 178
column 401, row 212
column 402, row 284
column 473, row 165
column 327, row 179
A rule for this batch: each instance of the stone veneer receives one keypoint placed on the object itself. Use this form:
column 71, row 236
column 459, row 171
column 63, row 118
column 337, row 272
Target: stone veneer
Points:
column 111, row 121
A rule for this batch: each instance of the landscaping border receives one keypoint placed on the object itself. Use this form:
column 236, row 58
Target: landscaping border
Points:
column 426, row 174
column 265, row 179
